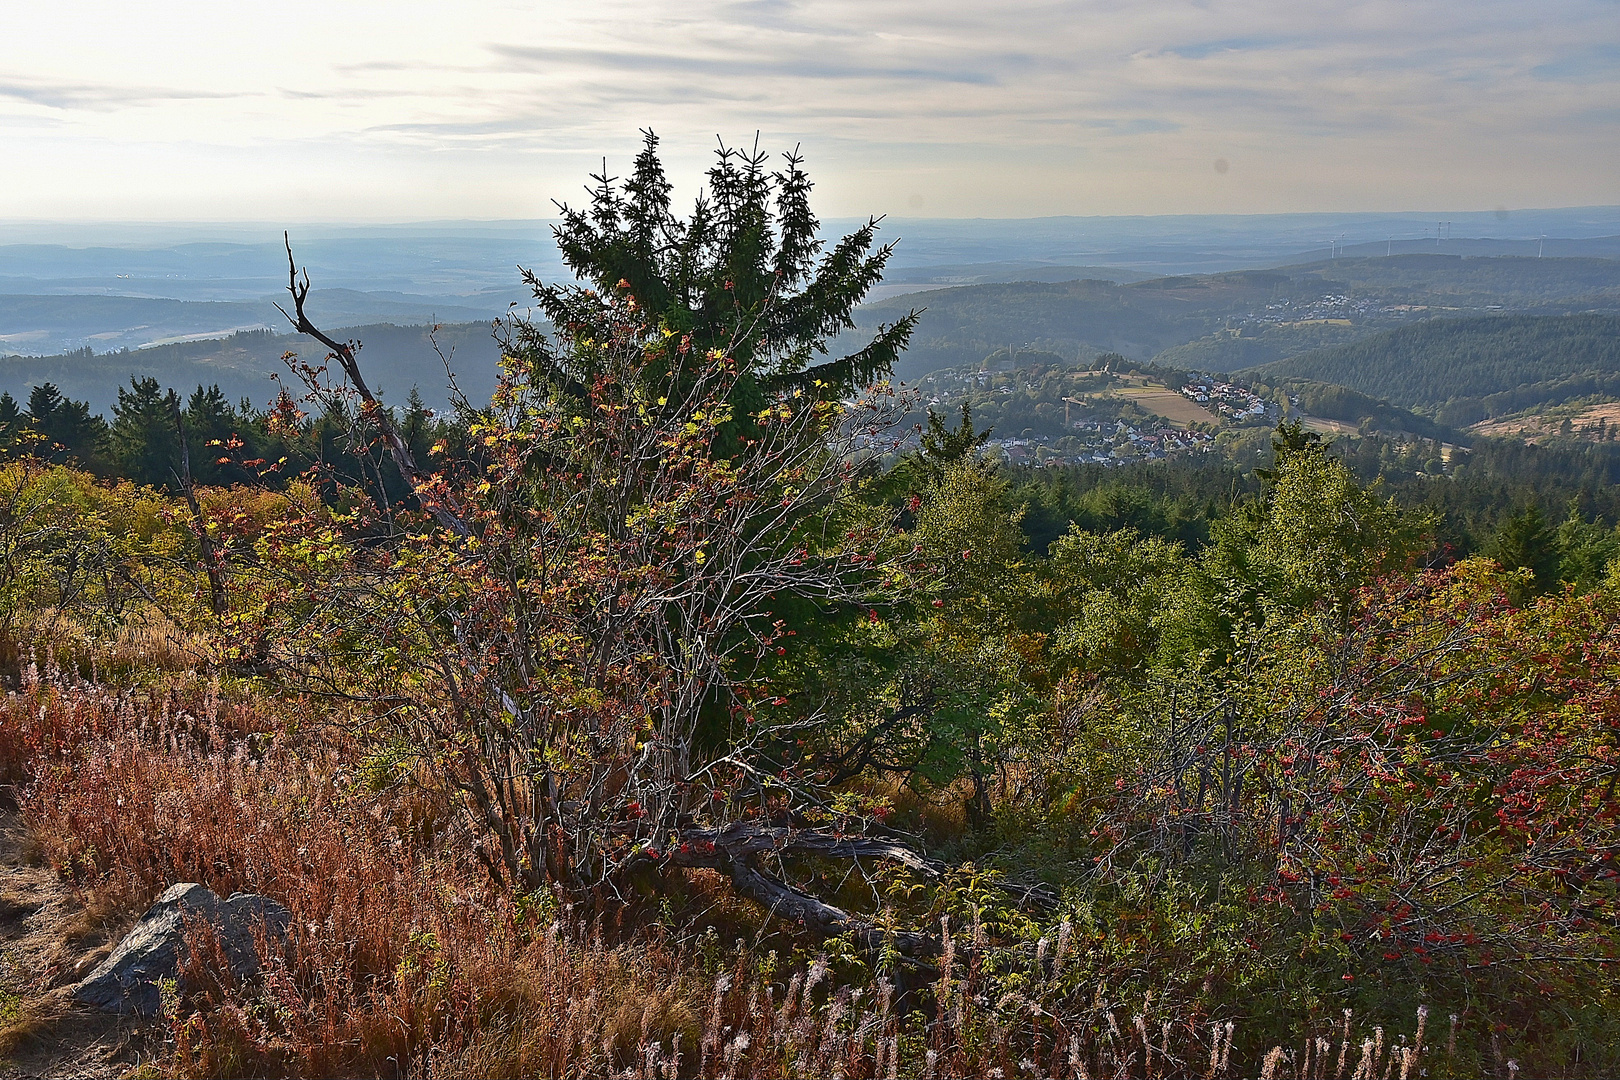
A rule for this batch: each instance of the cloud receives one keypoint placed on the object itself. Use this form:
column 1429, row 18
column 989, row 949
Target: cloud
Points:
column 102, row 97
column 1200, row 50
column 729, row 68
column 1136, row 126
column 1098, row 105
column 1598, row 63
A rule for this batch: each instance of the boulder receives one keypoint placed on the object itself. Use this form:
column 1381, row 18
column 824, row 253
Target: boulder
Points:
column 127, row 981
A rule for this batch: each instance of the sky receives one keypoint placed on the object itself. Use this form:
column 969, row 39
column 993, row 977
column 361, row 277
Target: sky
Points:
column 353, row 110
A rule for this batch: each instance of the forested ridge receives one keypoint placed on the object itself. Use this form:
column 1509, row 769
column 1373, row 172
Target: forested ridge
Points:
column 685, row 707
column 1464, row 370
column 1189, row 321
column 242, row 364
column 1476, row 280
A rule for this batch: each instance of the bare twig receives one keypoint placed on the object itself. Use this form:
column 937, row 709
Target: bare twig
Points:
column 446, row 515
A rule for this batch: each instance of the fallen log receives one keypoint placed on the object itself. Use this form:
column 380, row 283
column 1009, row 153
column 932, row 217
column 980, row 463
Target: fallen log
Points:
column 739, row 850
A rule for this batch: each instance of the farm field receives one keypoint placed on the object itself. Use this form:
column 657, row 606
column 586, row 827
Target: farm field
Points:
column 1324, row 426
column 1163, row 401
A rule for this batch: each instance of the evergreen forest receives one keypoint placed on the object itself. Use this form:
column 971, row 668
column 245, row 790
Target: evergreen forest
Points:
column 1502, row 364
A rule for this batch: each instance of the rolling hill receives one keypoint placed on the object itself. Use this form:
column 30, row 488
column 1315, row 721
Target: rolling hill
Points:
column 1240, row 319
column 45, row 324
column 1465, row 370
column 396, row 358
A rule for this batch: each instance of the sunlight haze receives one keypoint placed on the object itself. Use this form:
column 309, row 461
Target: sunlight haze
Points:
column 407, row 111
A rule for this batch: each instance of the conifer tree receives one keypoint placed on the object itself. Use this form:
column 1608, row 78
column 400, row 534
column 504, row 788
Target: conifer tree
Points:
column 66, row 424
column 747, row 273
column 211, row 423
column 1524, row 541
column 11, row 419
column 942, row 446
column 145, row 443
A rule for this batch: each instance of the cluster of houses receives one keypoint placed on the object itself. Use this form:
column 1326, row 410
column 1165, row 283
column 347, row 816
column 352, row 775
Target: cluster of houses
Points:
column 1087, row 438
column 1116, row 443
column 1330, row 307
column 1231, row 401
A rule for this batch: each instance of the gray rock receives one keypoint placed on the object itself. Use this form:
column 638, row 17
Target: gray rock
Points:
column 128, row 980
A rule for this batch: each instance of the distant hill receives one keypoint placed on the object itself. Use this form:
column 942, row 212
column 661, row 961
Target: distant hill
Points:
column 1075, row 319
column 395, row 358
column 1239, row 319
column 1288, row 320
column 1329, row 401
column 1468, row 281
column 45, row 324
column 1225, row 351
column 1465, row 370
column 910, row 279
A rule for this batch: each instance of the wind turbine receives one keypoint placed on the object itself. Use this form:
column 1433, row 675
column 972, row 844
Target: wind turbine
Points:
column 1541, row 245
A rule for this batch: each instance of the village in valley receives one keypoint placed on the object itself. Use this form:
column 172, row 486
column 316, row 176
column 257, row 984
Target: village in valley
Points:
column 1044, row 412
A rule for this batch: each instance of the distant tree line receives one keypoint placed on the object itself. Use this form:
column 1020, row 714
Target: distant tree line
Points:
column 1551, row 508
column 225, row 443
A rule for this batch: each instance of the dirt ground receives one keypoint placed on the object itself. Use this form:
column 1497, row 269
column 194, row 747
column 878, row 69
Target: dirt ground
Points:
column 47, row 943
column 1170, row 405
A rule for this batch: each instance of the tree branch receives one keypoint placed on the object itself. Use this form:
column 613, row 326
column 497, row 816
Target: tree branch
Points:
column 738, row 848
column 398, row 449
column 210, row 554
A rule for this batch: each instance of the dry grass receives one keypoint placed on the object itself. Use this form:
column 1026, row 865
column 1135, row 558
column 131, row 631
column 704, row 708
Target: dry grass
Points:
column 402, row 950
column 26, row 1020
column 47, row 941
column 405, row 960
column 144, row 646
column 1538, row 426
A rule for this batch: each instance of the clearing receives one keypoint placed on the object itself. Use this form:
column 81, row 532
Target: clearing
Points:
column 1533, row 427
column 1324, row 426
column 1162, row 401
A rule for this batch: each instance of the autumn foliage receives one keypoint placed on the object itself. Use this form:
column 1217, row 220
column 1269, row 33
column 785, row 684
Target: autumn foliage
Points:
column 672, row 714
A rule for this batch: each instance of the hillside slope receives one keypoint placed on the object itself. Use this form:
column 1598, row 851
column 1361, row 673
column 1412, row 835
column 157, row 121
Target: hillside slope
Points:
column 42, row 325
column 395, row 358
column 1465, row 370
column 1228, row 321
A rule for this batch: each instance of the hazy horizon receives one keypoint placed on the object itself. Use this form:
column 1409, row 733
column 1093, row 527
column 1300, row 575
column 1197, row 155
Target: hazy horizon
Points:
column 63, row 287
column 1503, row 214
column 186, row 111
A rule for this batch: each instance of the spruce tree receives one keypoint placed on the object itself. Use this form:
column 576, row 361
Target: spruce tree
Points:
column 11, row 419
column 747, row 273
column 68, row 427
column 1524, row 541
column 145, row 444
column 212, row 423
